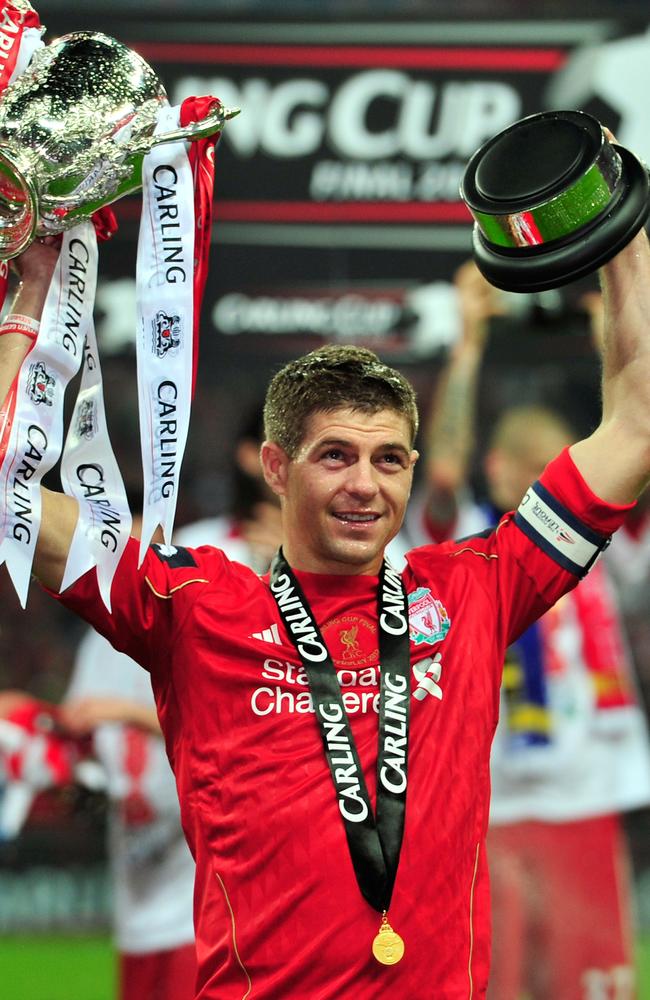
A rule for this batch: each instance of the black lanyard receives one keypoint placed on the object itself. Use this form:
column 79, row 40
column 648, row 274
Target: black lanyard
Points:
column 374, row 844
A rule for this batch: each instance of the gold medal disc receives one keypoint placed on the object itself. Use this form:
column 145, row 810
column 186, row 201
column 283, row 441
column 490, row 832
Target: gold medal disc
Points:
column 387, row 947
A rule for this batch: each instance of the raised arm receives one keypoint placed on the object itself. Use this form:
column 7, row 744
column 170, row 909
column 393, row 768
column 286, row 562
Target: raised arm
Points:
column 450, row 434
column 615, row 459
column 59, row 514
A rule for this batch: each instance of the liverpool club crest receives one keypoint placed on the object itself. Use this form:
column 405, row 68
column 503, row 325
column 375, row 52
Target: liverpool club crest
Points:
column 428, row 618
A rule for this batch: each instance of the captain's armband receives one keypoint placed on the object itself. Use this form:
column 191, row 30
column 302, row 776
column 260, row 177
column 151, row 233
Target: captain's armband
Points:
column 558, row 532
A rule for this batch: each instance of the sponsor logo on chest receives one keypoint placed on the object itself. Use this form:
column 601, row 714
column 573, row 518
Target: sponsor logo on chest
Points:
column 352, row 642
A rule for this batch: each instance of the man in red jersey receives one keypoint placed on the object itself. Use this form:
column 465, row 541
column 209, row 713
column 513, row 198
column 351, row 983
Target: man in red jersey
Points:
column 337, row 811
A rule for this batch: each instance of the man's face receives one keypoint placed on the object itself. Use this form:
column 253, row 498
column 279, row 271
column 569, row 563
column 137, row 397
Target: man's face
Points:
column 345, row 492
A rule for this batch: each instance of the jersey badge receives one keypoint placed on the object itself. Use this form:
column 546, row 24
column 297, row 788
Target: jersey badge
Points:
column 427, row 673
column 173, row 555
column 351, row 640
column 428, row 618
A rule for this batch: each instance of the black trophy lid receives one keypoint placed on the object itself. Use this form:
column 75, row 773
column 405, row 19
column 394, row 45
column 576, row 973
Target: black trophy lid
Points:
column 531, row 162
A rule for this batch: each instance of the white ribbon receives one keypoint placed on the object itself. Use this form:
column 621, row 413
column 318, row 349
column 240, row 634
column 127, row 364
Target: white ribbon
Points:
column 164, row 279
column 37, row 431
column 90, row 474
column 31, row 41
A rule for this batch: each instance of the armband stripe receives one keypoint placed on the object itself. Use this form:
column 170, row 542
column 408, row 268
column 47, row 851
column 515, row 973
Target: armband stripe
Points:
column 558, row 532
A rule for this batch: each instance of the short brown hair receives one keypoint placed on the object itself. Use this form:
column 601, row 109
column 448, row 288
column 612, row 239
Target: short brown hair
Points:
column 328, row 378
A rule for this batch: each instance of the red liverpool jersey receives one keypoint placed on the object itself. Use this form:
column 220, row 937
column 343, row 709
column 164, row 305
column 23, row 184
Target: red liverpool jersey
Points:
column 278, row 912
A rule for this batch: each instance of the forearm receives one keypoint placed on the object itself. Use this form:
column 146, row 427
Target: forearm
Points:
column 83, row 715
column 626, row 350
column 14, row 347
column 615, row 460
column 59, row 515
column 451, row 429
column 143, row 718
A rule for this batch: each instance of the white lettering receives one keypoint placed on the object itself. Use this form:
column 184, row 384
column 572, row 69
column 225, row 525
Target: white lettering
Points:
column 421, row 119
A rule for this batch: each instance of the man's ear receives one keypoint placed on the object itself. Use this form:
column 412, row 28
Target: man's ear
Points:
column 275, row 465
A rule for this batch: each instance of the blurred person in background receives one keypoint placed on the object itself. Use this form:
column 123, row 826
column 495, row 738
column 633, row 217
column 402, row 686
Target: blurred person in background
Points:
column 250, row 532
column 152, row 871
column 110, row 704
column 110, row 709
column 571, row 748
column 629, row 563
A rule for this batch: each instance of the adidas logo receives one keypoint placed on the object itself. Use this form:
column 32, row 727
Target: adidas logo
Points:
column 271, row 634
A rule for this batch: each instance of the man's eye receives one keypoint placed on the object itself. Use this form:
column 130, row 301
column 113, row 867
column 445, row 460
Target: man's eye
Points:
column 392, row 459
column 333, row 454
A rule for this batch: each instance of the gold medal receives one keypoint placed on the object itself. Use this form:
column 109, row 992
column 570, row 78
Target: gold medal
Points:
column 387, row 947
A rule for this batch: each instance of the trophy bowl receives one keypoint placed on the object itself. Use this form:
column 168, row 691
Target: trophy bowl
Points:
column 74, row 129
column 552, row 201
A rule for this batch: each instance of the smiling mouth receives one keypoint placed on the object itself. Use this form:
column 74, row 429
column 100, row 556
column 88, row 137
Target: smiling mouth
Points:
column 349, row 518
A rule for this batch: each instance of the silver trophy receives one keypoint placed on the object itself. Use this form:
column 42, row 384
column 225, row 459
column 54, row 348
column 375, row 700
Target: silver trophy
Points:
column 74, row 129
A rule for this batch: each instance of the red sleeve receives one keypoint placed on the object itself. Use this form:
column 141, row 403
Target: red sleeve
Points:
column 555, row 537
column 564, row 480
column 149, row 603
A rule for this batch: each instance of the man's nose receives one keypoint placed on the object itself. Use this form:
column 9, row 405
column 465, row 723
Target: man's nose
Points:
column 362, row 480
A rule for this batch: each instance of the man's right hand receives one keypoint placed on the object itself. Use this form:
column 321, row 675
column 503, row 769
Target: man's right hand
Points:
column 478, row 302
column 38, row 261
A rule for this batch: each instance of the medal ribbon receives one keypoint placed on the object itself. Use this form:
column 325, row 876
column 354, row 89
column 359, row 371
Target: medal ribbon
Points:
column 164, row 350
column 374, row 843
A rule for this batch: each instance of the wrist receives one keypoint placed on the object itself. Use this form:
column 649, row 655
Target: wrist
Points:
column 468, row 354
column 20, row 323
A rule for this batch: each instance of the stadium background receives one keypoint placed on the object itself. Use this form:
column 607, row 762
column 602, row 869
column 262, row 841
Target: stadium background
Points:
column 337, row 217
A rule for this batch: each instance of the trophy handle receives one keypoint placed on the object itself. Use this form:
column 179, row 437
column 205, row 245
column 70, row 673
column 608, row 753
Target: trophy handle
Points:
column 197, row 130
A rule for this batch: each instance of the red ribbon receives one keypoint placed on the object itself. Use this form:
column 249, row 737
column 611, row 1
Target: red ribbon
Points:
column 19, row 19
column 104, row 222
column 201, row 154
